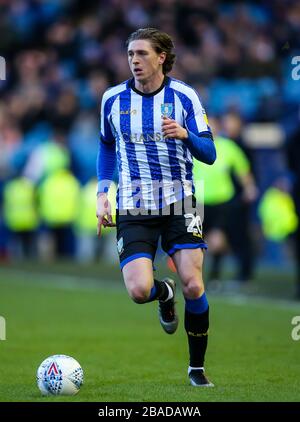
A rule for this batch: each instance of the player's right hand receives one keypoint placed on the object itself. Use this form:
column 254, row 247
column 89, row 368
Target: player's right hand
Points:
column 103, row 213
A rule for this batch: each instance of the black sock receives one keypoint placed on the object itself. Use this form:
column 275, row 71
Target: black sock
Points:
column 159, row 291
column 196, row 326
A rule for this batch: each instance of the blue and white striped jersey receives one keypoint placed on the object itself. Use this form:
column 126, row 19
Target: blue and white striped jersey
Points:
column 153, row 171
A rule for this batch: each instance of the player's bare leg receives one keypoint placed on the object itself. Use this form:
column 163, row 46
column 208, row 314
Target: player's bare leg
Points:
column 188, row 263
column 143, row 288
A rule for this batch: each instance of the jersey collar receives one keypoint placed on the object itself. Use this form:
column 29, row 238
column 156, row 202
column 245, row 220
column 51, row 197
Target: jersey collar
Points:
column 148, row 94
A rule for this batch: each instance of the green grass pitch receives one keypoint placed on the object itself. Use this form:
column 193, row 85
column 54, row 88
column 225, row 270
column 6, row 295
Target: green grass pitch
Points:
column 124, row 352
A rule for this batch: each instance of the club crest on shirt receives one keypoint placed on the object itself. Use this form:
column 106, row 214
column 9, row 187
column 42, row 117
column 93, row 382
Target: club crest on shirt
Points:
column 166, row 109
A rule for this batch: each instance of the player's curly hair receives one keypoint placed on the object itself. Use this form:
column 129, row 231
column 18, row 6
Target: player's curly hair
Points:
column 160, row 41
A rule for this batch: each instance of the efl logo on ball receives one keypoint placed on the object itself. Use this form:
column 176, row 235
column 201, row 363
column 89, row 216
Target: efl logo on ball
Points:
column 59, row 375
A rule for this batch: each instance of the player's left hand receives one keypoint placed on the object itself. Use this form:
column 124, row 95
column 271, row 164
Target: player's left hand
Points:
column 172, row 129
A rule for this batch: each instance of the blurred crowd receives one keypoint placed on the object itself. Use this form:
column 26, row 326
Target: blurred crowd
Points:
column 61, row 55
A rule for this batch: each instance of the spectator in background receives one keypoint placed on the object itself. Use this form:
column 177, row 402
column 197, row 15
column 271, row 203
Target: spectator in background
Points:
column 231, row 127
column 293, row 150
column 223, row 223
column 58, row 192
column 277, row 211
column 48, row 157
column 10, row 143
column 20, row 214
column 58, row 206
column 83, row 146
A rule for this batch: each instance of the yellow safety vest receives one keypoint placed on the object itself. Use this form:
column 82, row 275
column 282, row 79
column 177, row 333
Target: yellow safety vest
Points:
column 278, row 215
column 214, row 183
column 59, row 196
column 19, row 205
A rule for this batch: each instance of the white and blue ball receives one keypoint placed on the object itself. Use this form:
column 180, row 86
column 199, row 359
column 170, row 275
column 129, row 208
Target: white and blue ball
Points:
column 59, row 375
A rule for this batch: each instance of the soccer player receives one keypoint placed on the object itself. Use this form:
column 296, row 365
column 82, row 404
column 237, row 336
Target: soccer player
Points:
column 152, row 126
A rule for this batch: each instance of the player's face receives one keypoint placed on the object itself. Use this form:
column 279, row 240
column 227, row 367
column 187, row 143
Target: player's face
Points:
column 145, row 63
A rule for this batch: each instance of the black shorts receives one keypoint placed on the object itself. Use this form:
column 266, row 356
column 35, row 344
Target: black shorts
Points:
column 138, row 235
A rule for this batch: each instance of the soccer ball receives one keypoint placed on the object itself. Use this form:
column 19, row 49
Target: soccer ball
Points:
column 59, row 375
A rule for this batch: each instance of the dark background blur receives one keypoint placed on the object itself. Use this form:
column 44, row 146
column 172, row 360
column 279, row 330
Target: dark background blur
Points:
column 61, row 55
